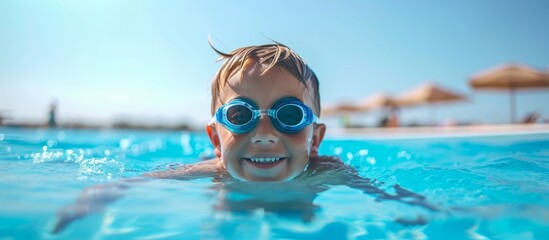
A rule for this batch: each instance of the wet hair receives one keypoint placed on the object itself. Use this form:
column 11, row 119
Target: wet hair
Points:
column 268, row 55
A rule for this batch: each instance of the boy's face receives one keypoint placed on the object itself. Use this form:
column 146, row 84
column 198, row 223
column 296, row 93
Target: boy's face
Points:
column 265, row 141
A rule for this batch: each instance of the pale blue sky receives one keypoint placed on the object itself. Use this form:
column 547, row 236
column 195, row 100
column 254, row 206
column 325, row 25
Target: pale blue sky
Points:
column 150, row 60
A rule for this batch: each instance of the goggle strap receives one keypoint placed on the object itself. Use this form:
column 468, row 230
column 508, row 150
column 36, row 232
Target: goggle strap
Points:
column 315, row 119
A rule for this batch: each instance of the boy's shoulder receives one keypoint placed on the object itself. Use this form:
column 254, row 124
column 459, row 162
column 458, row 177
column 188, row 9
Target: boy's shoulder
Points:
column 327, row 170
column 332, row 166
column 326, row 161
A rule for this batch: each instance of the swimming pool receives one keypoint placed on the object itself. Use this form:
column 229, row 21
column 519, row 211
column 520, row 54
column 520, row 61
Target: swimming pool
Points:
column 494, row 187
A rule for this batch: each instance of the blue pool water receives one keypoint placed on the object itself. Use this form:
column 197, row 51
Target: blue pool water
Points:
column 489, row 187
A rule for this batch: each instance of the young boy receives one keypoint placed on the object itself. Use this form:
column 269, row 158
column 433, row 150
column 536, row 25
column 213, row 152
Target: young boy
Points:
column 265, row 128
column 265, row 107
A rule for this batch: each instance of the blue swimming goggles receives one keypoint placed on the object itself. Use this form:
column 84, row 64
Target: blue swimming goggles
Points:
column 288, row 115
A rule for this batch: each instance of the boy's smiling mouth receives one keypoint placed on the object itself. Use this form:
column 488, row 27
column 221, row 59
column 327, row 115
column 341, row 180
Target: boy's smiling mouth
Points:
column 264, row 162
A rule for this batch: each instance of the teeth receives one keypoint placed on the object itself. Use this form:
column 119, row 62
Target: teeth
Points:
column 265, row 160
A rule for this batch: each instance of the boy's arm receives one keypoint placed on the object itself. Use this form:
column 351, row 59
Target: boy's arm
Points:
column 209, row 168
column 400, row 194
column 96, row 198
column 341, row 174
column 92, row 199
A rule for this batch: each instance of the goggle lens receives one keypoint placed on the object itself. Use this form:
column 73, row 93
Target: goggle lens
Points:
column 239, row 114
column 290, row 115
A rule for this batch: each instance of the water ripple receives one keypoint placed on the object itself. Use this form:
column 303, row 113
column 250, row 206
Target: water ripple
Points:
column 106, row 167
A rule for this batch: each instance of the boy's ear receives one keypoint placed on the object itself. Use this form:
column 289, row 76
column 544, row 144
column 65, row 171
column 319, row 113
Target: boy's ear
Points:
column 318, row 135
column 214, row 138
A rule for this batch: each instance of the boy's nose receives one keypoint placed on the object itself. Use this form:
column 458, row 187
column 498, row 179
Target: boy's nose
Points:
column 265, row 133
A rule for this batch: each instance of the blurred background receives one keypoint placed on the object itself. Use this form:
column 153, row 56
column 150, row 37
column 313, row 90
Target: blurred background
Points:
column 147, row 64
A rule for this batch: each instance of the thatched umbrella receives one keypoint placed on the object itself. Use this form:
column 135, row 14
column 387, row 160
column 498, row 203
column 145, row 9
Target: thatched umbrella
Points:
column 509, row 78
column 340, row 108
column 385, row 102
column 376, row 101
column 369, row 104
column 427, row 94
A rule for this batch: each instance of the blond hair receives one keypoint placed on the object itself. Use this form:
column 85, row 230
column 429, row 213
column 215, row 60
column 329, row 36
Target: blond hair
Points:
column 268, row 55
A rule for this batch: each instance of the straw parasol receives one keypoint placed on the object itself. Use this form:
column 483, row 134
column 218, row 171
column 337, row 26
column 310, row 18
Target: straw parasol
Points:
column 385, row 102
column 376, row 101
column 427, row 94
column 371, row 103
column 341, row 108
column 510, row 77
